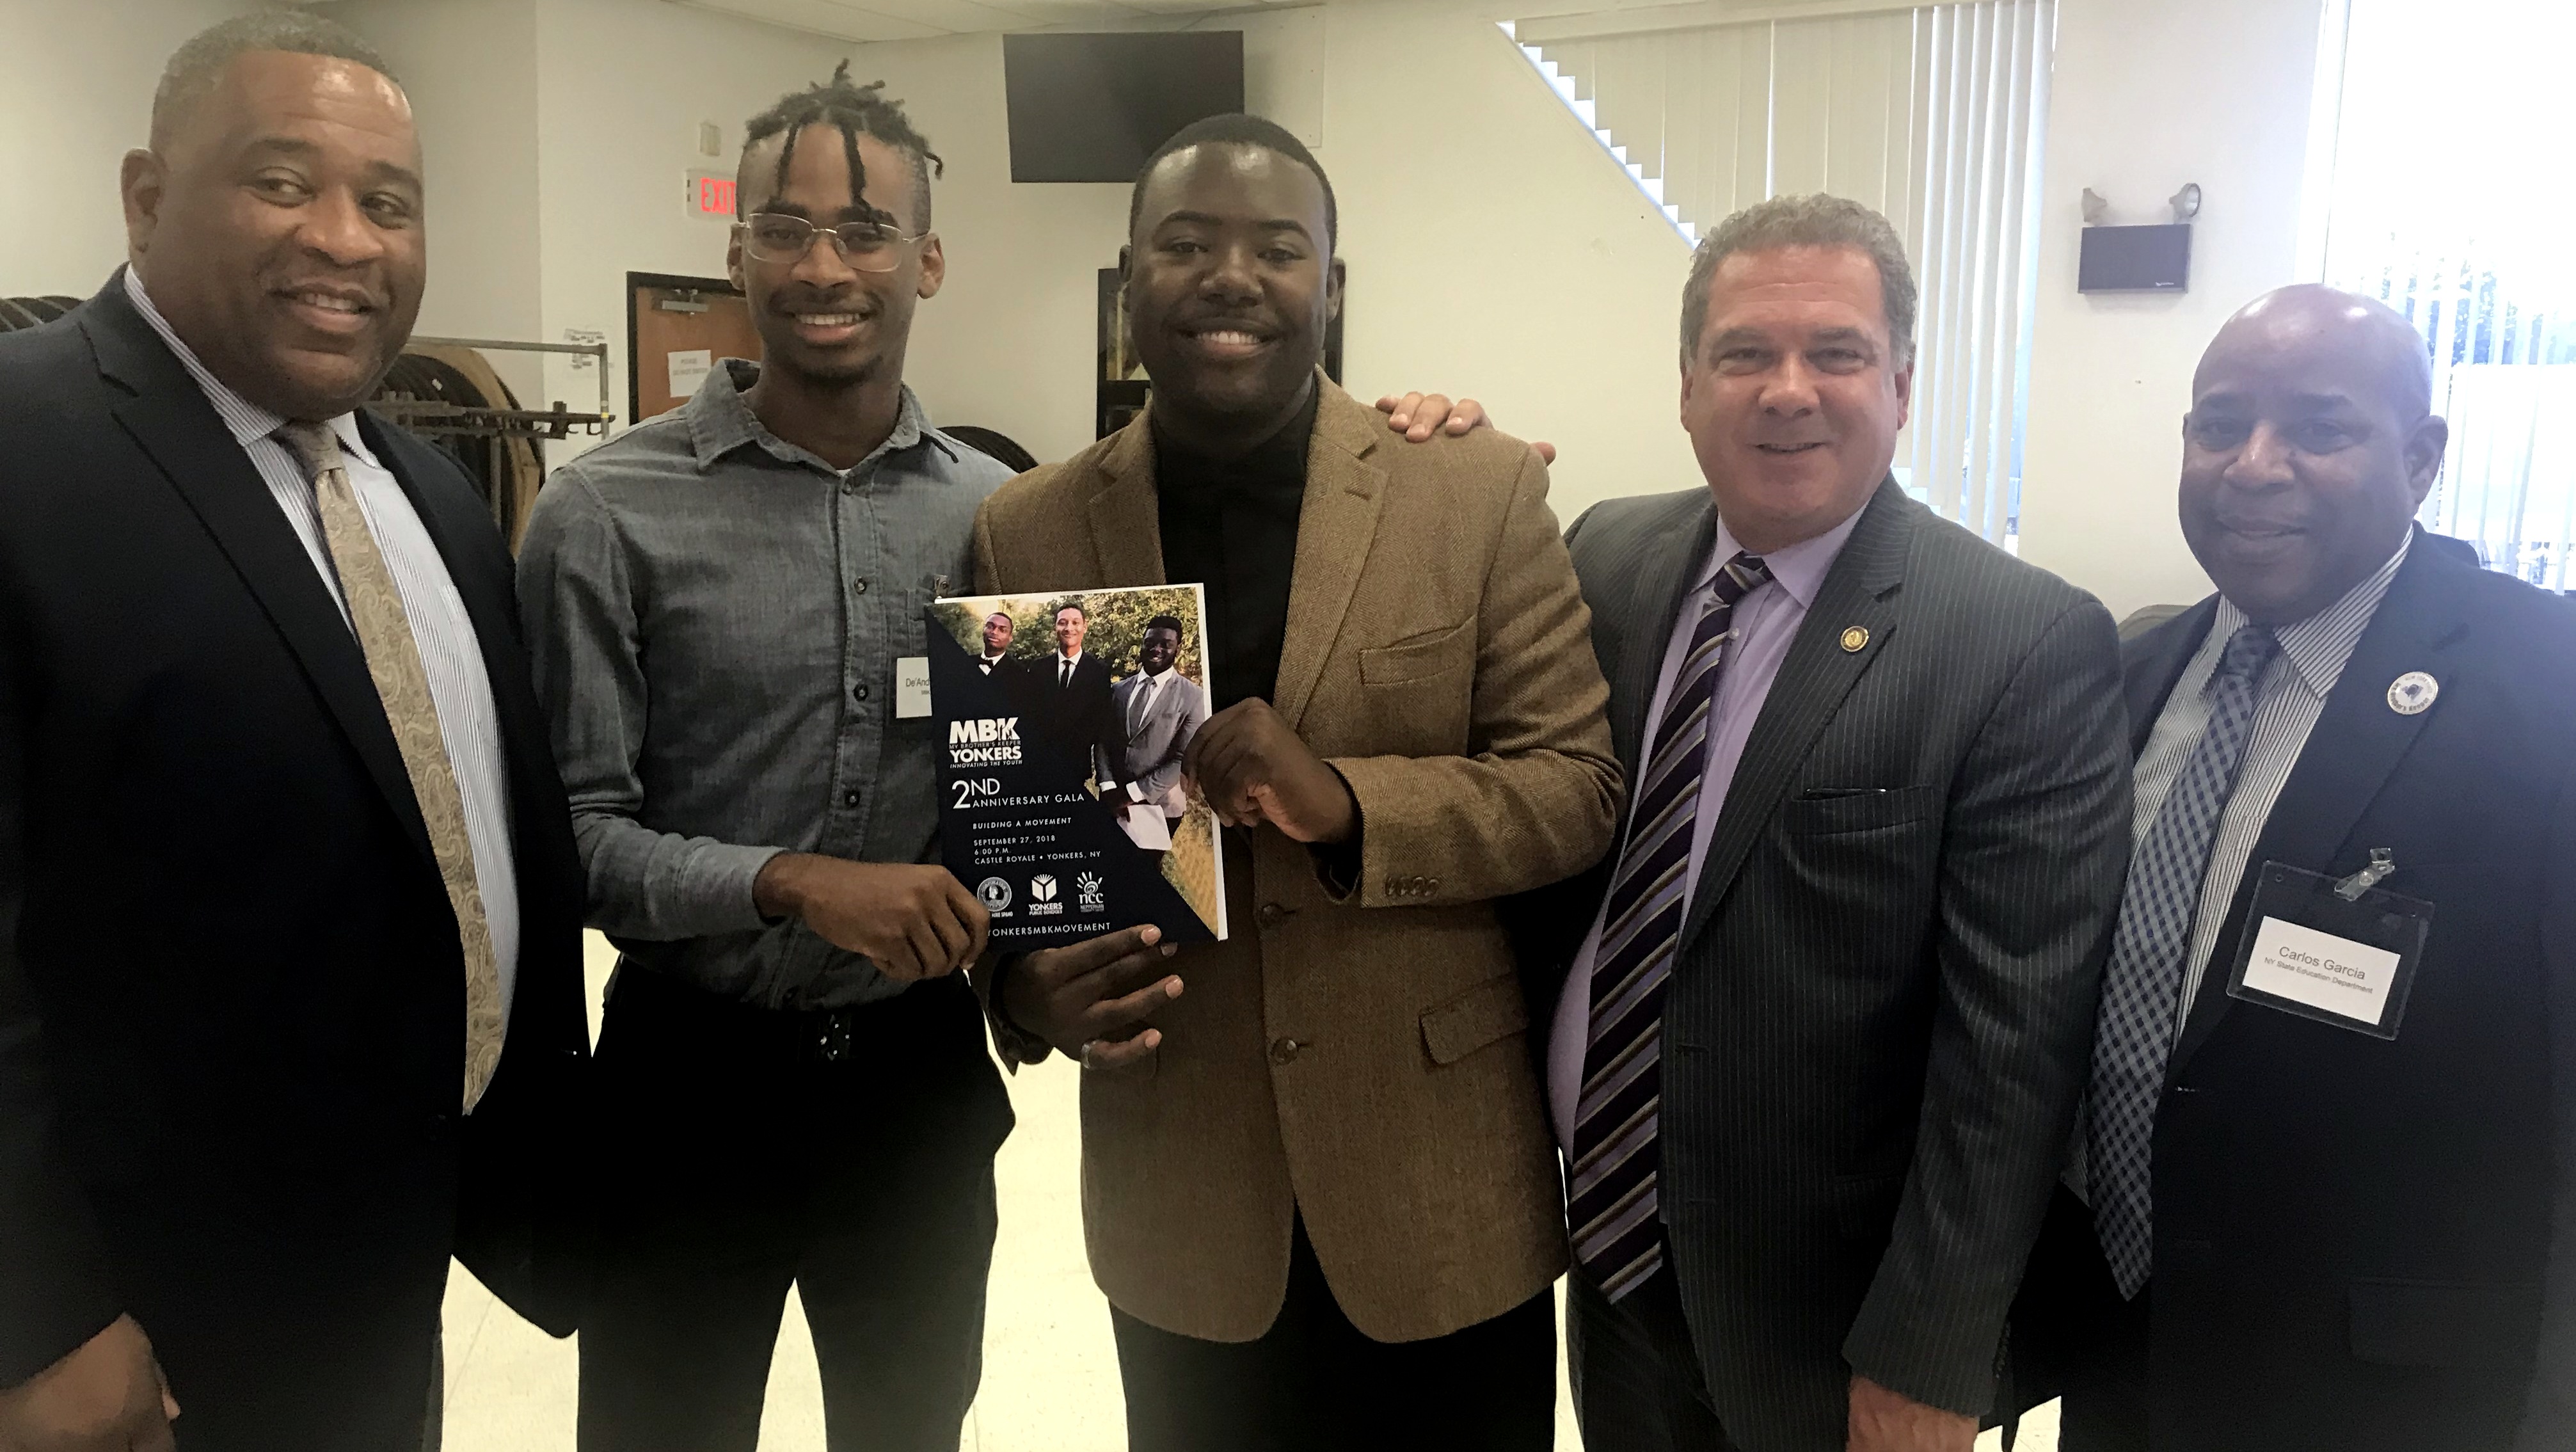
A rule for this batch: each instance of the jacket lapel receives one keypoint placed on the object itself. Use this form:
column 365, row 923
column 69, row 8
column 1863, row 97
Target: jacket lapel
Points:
column 171, row 419
column 1664, row 578
column 1814, row 677
column 1126, row 520
column 1335, row 527
column 2357, row 742
column 2151, row 664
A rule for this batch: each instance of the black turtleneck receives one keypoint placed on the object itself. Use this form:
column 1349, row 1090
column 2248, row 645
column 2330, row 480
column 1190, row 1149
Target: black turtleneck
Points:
column 1231, row 525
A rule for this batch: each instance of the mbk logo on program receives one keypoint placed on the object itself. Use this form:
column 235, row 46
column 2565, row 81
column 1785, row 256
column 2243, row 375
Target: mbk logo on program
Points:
column 984, row 741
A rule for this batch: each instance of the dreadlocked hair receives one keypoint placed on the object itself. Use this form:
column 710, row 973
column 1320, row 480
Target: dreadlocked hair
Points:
column 854, row 111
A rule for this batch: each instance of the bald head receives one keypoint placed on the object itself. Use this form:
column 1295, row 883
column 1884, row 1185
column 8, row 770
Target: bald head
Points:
column 2310, row 444
column 2286, row 323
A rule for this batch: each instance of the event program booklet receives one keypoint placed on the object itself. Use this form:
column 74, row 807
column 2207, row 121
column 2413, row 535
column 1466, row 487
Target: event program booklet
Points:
column 1064, row 717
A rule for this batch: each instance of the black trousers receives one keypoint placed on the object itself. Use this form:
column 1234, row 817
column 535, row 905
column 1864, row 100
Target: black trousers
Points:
column 1313, row 1383
column 292, row 1304
column 1634, row 1372
column 2091, row 1345
column 301, row 1371
column 850, row 1153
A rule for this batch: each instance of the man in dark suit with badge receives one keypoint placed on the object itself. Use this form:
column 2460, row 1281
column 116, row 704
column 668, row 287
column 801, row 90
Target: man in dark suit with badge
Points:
column 2324, row 1195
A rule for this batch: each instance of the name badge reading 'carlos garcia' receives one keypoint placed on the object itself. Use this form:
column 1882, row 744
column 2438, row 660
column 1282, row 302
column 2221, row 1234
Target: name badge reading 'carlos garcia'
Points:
column 2338, row 951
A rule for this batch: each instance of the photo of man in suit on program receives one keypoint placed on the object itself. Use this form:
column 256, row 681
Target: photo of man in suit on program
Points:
column 1160, row 710
column 1069, row 721
column 996, row 658
column 1821, row 1021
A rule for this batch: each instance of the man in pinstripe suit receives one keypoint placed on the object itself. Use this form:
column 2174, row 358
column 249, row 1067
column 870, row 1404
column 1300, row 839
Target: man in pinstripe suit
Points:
column 1817, row 1050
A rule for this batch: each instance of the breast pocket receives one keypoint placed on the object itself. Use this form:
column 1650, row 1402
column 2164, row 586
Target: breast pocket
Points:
column 1859, row 861
column 1417, row 692
column 1820, row 811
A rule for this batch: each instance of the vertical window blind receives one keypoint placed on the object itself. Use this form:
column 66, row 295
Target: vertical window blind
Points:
column 1932, row 114
column 2445, row 199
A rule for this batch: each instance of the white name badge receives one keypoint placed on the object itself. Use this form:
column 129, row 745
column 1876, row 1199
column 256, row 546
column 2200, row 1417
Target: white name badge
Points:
column 911, row 686
column 2347, row 979
column 2340, row 951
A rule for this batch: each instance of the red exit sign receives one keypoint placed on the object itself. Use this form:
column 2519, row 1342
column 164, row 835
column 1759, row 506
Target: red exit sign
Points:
column 710, row 194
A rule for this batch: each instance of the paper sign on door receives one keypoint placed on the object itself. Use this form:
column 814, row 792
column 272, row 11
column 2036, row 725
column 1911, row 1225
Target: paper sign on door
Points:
column 689, row 368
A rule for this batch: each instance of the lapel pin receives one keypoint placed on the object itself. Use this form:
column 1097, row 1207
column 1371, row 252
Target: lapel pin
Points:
column 2412, row 693
column 1854, row 638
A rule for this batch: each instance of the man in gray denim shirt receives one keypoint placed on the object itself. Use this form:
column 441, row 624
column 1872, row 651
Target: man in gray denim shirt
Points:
column 792, row 1078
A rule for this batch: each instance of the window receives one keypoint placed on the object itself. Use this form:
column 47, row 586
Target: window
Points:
column 2446, row 196
column 1932, row 114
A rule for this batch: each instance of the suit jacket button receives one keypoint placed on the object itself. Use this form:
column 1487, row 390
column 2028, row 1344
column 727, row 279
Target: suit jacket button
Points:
column 1272, row 914
column 1283, row 1050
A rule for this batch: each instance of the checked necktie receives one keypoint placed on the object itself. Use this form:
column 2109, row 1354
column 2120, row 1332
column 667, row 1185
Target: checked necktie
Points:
column 402, row 684
column 2134, row 1035
column 1611, row 1199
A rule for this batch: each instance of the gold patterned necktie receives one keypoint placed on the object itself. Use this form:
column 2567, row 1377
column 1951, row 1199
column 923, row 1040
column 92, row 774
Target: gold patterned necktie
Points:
column 393, row 660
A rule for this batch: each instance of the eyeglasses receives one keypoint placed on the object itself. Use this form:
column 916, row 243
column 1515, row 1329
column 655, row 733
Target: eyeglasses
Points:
column 867, row 246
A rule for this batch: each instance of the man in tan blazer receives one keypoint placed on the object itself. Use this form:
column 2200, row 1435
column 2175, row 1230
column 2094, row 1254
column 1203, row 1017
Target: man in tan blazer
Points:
column 1317, row 1187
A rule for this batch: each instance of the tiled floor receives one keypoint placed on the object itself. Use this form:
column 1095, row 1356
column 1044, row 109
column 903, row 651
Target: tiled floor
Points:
column 1050, row 1374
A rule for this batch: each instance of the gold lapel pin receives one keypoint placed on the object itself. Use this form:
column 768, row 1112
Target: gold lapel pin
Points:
column 1854, row 638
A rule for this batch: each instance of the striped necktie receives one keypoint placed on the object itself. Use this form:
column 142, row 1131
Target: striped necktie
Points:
column 402, row 684
column 2134, row 1034
column 1611, row 1200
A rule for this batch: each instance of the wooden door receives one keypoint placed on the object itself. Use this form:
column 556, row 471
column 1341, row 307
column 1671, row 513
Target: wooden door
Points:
column 676, row 329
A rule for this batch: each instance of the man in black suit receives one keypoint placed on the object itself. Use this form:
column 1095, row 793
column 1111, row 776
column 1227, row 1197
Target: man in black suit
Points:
column 290, row 992
column 1819, row 1046
column 1075, row 720
column 2285, row 1232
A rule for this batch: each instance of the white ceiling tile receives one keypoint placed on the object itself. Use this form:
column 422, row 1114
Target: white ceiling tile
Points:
column 823, row 17
column 958, row 16
column 1076, row 12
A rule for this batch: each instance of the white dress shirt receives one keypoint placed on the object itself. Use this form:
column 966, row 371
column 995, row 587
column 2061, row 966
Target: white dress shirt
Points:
column 450, row 652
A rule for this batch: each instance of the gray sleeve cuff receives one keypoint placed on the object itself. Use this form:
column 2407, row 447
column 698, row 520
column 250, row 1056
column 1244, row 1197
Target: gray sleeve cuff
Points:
column 715, row 888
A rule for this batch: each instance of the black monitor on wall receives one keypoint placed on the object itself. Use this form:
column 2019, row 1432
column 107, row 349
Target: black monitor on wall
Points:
column 1091, row 108
column 2135, row 259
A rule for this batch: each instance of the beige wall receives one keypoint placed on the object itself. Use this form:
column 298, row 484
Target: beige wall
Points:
column 621, row 88
column 478, row 138
column 1494, row 248
column 77, row 96
column 2148, row 97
